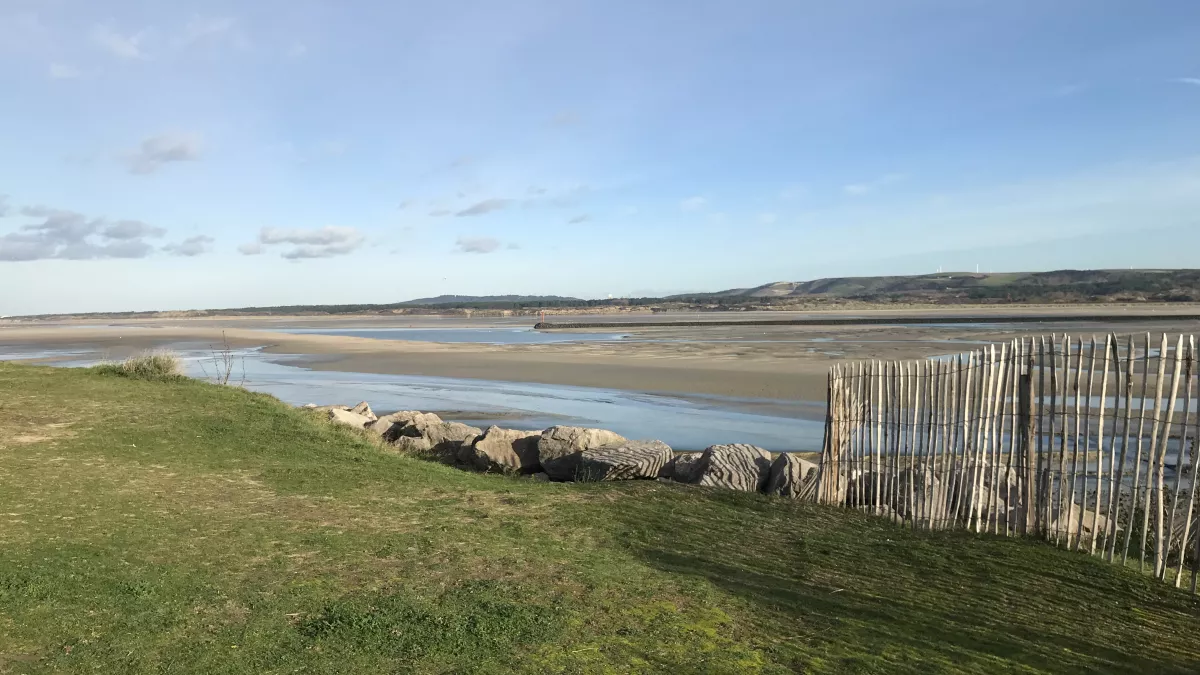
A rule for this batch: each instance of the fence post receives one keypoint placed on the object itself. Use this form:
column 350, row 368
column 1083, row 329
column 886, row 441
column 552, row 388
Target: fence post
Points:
column 1027, row 431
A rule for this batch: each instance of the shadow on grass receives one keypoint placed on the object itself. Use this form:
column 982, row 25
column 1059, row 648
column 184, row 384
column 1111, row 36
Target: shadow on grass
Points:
column 848, row 592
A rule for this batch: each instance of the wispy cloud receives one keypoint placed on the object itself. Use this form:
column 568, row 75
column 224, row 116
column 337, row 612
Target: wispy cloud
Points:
column 252, row 248
column 1070, row 89
column 439, row 213
column 477, row 244
column 62, row 71
column 192, row 246
column 121, row 46
column 579, row 219
column 200, row 29
column 132, row 229
column 857, row 189
column 1188, row 80
column 485, row 206
column 792, row 192
column 693, row 204
column 157, row 151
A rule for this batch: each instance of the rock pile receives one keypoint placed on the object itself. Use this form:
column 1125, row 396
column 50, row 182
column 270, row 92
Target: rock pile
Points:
column 563, row 453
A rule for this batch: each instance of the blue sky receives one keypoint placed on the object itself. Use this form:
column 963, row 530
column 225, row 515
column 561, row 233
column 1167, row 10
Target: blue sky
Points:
column 170, row 155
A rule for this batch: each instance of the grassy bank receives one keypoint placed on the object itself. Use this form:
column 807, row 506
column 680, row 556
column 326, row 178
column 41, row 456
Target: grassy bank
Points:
column 174, row 526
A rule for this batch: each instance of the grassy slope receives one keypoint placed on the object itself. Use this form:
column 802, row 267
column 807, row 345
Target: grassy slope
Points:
column 159, row 526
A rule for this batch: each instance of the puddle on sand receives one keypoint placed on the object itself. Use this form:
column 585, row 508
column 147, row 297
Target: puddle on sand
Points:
column 690, row 423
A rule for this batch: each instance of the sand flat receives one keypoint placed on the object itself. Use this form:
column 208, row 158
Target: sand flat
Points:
column 773, row 362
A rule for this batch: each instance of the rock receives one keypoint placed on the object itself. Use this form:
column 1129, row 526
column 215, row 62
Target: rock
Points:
column 503, row 450
column 734, row 467
column 793, row 477
column 559, row 448
column 410, row 445
column 684, row 468
column 624, row 461
column 380, row 426
column 444, row 439
column 326, row 408
column 365, row 410
column 348, row 418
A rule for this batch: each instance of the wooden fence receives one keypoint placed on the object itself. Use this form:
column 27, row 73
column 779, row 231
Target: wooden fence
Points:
column 1087, row 443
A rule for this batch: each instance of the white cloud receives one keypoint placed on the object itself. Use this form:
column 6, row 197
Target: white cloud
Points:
column 4, row 208
column 323, row 242
column 132, row 229
column 253, row 248
column 767, row 218
column 192, row 246
column 70, row 235
column 477, row 244
column 62, row 71
column 156, row 151
column 107, row 38
column 693, row 204
column 1188, row 80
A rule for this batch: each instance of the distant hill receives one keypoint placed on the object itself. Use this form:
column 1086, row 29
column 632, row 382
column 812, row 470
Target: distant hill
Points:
column 461, row 299
column 949, row 288
column 958, row 287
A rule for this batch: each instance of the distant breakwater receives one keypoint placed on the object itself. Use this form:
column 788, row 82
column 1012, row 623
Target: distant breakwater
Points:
column 881, row 321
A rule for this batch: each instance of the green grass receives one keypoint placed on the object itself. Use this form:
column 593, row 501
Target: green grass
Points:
column 152, row 365
column 175, row 526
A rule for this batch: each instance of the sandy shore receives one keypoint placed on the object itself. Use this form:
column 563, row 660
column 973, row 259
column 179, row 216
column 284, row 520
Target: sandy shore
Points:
column 780, row 362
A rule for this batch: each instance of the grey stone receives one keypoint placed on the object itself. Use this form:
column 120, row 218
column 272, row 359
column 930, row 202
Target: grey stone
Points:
column 624, row 461
column 560, row 448
column 365, row 410
column 684, row 467
column 445, row 439
column 503, row 450
column 793, row 477
column 734, row 467
column 348, row 418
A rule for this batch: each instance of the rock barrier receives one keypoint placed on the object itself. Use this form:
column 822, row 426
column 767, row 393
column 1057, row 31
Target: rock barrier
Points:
column 579, row 454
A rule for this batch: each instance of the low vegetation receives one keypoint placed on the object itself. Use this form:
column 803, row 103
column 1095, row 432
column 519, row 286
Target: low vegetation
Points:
column 168, row 525
column 155, row 365
column 946, row 288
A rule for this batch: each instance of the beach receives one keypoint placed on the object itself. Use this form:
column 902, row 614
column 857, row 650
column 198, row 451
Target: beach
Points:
column 753, row 362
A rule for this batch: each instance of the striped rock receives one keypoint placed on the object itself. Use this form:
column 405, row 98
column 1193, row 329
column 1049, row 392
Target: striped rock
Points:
column 348, row 418
column 624, row 461
column 793, row 477
column 734, row 467
column 363, row 409
column 503, row 450
column 560, row 448
column 684, row 467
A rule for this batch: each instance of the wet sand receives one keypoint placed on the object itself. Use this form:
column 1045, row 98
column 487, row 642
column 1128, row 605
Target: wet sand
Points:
column 768, row 362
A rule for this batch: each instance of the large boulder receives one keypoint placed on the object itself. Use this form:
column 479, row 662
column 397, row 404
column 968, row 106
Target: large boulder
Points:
column 363, row 409
column 793, row 477
column 624, row 461
column 444, row 439
column 560, row 448
column 503, row 450
column 734, row 467
column 380, row 426
column 348, row 418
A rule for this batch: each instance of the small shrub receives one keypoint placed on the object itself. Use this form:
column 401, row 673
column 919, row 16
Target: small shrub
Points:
column 145, row 366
